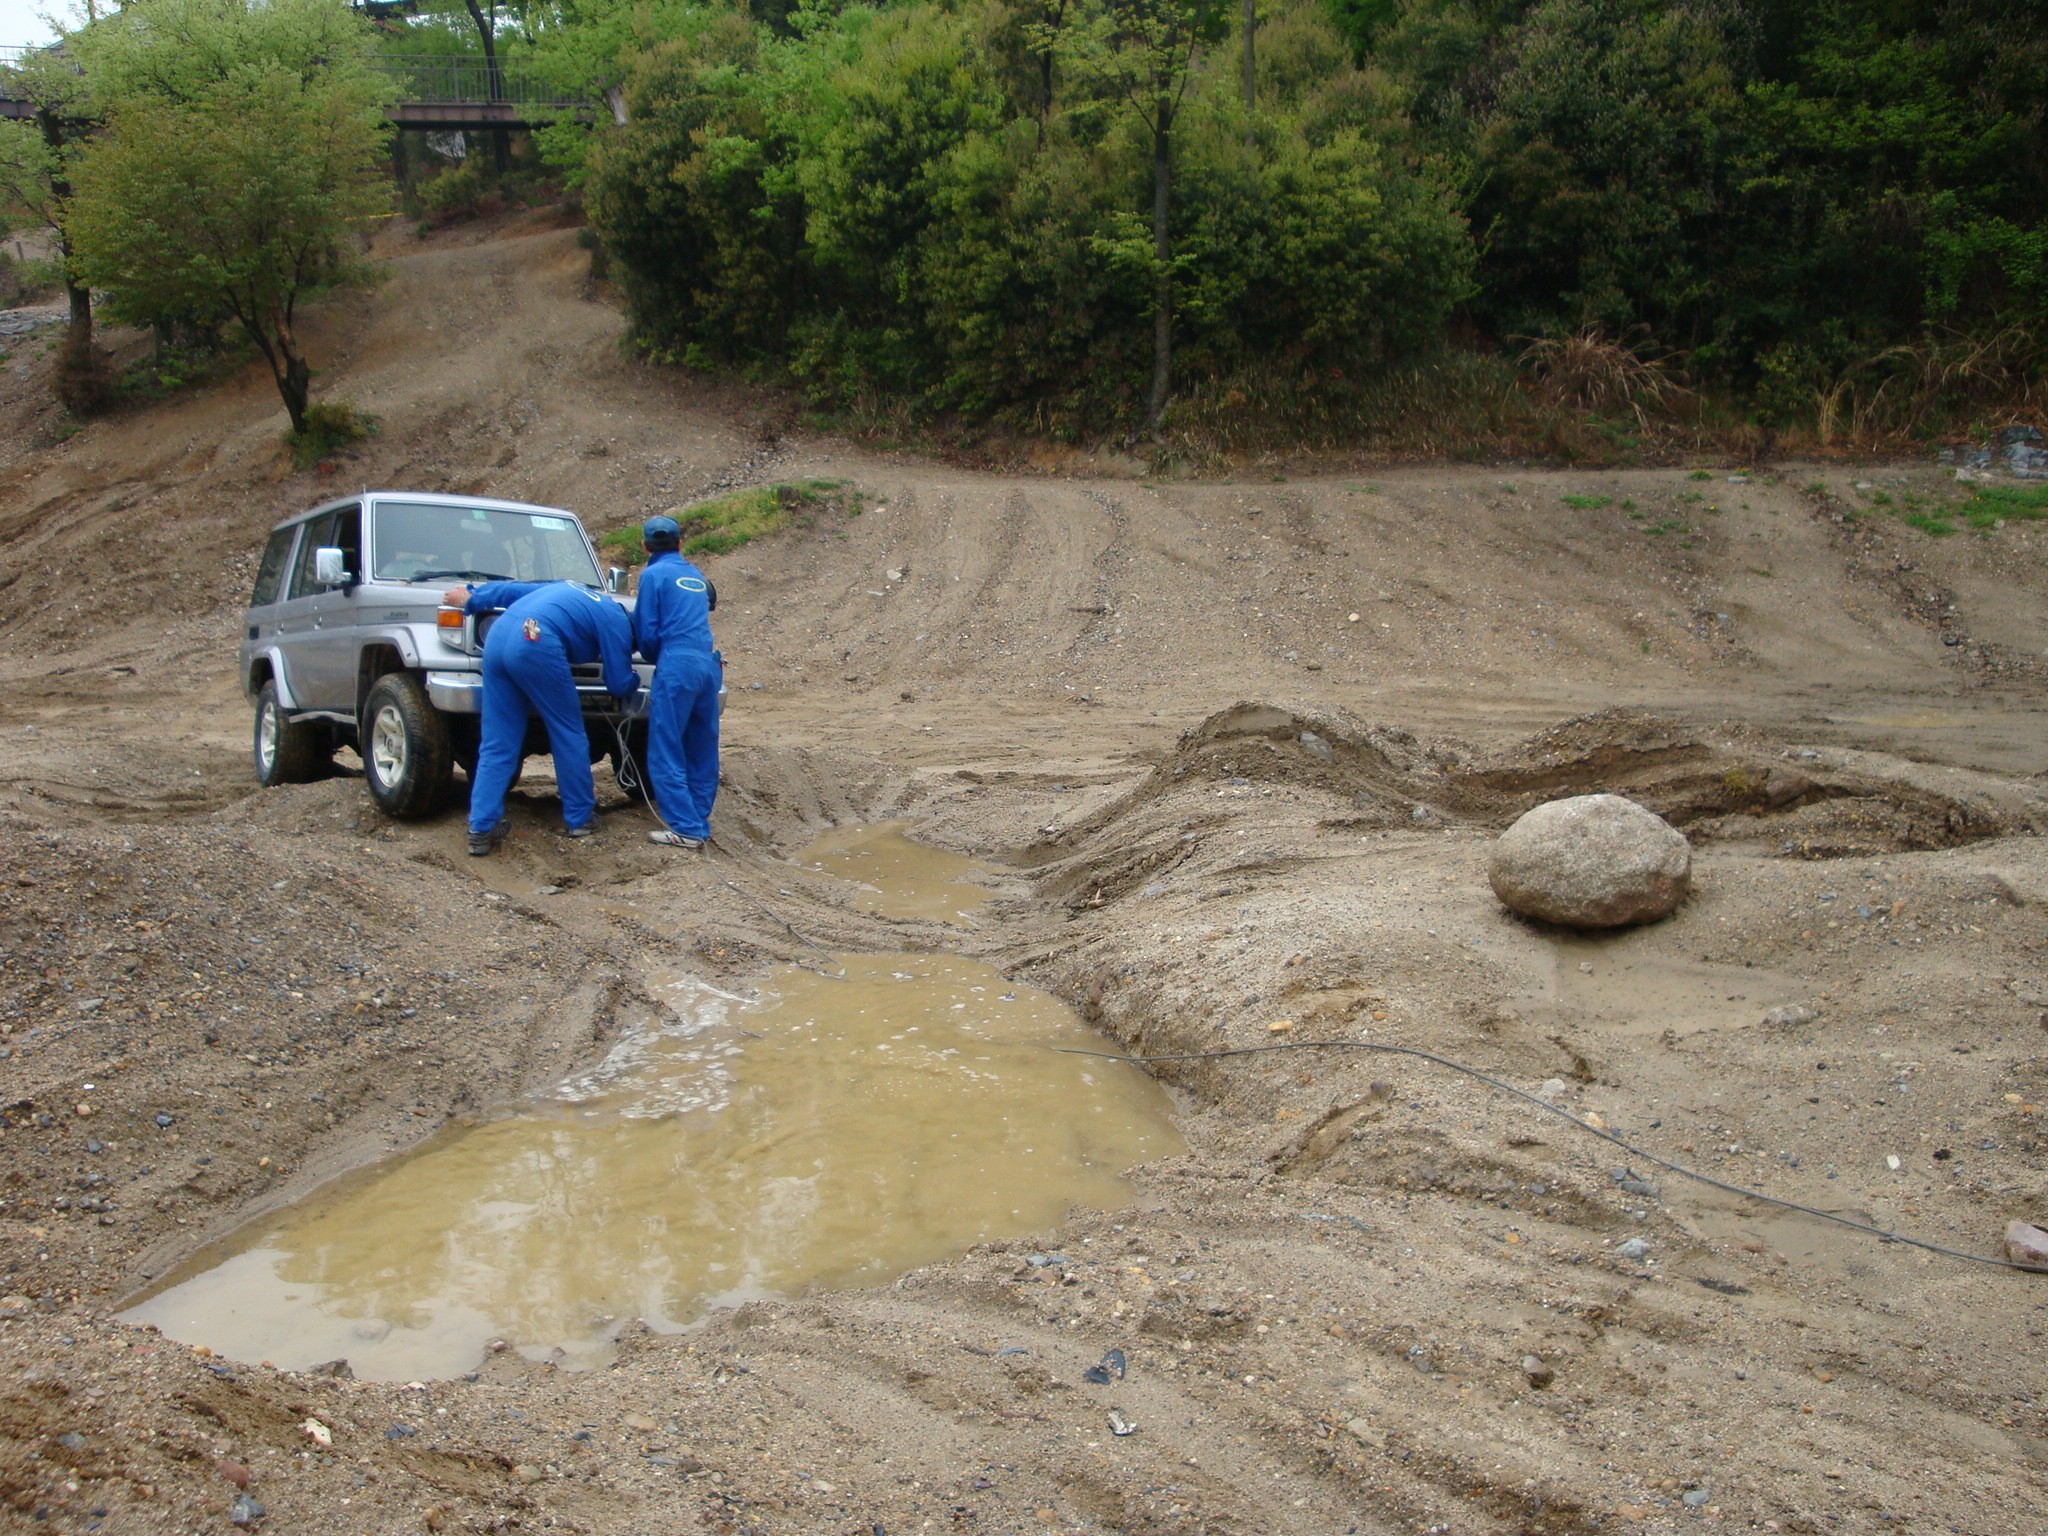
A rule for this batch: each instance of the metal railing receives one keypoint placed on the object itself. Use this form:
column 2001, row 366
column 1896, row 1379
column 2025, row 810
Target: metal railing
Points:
column 452, row 78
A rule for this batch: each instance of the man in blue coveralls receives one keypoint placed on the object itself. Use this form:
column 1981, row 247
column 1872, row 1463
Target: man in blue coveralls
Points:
column 546, row 626
column 672, row 624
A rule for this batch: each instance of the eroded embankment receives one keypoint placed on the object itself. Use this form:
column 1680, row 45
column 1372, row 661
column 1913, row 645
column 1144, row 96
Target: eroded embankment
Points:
column 1329, row 1308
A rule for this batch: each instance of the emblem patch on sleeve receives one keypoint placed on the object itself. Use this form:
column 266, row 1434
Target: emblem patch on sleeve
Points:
column 531, row 629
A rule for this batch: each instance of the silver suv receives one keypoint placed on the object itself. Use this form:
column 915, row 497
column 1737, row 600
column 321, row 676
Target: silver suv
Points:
column 346, row 642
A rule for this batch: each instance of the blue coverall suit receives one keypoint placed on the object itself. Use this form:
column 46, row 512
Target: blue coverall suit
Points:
column 546, row 626
column 672, row 623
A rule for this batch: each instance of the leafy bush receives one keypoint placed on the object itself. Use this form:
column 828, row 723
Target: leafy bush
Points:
column 879, row 210
column 330, row 425
column 465, row 189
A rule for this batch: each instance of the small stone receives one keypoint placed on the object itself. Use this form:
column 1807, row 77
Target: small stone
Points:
column 1591, row 861
column 638, row 1421
column 339, row 1369
column 71, row 1440
column 1316, row 746
column 2024, row 1244
column 318, row 1432
column 233, row 1471
column 1354, row 618
column 1279, row 1026
column 1554, row 1090
column 163, row 1122
column 527, row 1472
column 246, row 1511
column 1634, row 1248
column 1789, row 1015
column 1539, row 1372
column 1694, row 1498
column 1361, row 1430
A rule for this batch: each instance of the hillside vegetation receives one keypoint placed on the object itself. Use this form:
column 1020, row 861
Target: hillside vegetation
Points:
column 1823, row 217
column 1439, row 225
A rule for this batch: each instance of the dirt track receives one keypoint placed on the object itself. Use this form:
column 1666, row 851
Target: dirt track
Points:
column 1101, row 686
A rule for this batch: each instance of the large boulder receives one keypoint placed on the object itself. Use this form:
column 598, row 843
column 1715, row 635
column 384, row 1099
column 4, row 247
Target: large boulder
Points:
column 1593, row 861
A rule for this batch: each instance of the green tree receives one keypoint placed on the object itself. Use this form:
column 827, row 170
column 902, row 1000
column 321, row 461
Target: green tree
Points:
column 35, row 174
column 1143, row 54
column 241, row 159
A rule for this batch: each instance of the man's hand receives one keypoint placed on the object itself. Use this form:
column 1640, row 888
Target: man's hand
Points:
column 628, row 703
column 455, row 597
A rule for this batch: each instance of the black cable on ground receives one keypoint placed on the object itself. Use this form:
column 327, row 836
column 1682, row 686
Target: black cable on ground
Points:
column 1572, row 1119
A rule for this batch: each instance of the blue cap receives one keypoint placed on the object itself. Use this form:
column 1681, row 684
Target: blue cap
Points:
column 658, row 528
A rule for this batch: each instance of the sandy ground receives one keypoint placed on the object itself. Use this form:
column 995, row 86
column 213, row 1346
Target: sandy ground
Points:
column 1235, row 751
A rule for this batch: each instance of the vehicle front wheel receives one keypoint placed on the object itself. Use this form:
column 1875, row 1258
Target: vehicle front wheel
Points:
column 288, row 751
column 408, row 761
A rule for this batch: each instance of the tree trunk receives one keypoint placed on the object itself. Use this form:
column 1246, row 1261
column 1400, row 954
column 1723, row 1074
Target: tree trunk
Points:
column 80, row 299
column 494, row 81
column 1162, row 257
column 1251, row 78
column 294, row 383
column 287, row 366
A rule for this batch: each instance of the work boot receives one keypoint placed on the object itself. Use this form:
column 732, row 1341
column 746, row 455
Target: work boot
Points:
column 588, row 829
column 481, row 843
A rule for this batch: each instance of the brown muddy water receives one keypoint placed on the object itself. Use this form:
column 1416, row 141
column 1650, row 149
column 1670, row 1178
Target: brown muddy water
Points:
column 830, row 1132
column 897, row 876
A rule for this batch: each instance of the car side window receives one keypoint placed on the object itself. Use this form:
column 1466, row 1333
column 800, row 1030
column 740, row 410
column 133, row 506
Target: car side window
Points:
column 317, row 530
column 270, row 573
column 340, row 529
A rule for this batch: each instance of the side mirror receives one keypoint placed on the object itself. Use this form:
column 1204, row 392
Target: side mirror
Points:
column 328, row 571
column 614, row 578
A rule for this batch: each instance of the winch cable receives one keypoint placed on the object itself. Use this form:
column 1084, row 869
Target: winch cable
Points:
column 647, row 794
column 1881, row 1233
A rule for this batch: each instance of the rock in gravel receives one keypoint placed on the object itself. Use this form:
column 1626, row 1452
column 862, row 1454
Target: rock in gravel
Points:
column 1538, row 1370
column 246, row 1511
column 1786, row 1015
column 1592, row 861
column 1634, row 1248
column 233, row 1471
column 1694, row 1498
column 2026, row 1244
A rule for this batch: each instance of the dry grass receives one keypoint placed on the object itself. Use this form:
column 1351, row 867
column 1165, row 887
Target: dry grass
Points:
column 1591, row 371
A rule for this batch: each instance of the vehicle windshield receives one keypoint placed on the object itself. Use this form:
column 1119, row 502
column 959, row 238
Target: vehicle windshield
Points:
column 431, row 541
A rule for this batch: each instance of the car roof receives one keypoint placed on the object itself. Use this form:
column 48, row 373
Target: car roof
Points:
column 434, row 498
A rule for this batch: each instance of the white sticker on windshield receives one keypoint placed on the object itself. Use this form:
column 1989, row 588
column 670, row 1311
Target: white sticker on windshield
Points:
column 549, row 524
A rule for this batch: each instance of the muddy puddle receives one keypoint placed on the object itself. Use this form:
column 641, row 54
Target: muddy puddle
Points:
column 833, row 1131
column 896, row 876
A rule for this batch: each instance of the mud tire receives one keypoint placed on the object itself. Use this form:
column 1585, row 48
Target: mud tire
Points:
column 408, row 760
column 287, row 751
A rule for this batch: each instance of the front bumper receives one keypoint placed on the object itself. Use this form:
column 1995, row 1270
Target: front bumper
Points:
column 462, row 693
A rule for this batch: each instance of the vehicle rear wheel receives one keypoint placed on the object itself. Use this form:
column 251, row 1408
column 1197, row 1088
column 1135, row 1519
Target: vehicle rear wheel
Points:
column 408, row 761
column 629, row 768
column 288, row 751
